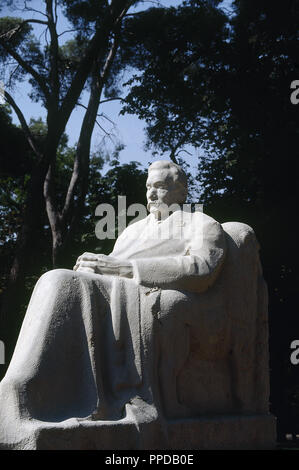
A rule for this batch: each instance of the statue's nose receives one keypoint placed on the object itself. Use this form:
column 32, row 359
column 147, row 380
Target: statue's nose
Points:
column 152, row 194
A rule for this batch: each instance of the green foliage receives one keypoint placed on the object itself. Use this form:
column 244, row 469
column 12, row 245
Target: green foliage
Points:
column 18, row 35
column 223, row 84
column 15, row 163
column 14, row 30
column 84, row 14
column 120, row 180
column 127, row 179
column 260, row 125
column 254, row 170
column 178, row 53
column 15, row 156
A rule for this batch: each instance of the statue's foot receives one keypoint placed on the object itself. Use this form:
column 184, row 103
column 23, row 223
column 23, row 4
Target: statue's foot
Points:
column 105, row 414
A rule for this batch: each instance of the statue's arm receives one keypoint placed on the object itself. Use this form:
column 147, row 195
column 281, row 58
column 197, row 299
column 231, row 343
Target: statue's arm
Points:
column 102, row 264
column 194, row 272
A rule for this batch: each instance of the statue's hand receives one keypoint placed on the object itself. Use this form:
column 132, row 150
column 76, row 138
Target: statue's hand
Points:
column 102, row 264
column 86, row 262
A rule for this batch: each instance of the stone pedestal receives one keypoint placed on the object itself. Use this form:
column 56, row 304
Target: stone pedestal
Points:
column 205, row 433
column 224, row 432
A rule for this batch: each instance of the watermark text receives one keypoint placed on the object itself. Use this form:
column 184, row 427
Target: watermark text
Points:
column 112, row 224
column 295, row 354
column 295, row 94
column 2, row 352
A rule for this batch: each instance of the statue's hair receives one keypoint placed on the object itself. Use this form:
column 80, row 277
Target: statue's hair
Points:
column 178, row 175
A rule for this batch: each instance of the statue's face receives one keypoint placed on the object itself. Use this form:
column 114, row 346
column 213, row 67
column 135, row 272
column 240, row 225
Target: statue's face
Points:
column 161, row 192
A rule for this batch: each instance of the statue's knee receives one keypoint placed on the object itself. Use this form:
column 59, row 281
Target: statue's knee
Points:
column 56, row 276
column 12, row 382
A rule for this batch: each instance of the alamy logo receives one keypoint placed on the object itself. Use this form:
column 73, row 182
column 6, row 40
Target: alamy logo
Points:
column 2, row 353
column 111, row 225
column 295, row 354
column 295, row 94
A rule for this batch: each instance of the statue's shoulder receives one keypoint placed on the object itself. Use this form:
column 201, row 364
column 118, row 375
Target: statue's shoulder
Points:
column 205, row 220
column 241, row 233
column 137, row 226
column 238, row 227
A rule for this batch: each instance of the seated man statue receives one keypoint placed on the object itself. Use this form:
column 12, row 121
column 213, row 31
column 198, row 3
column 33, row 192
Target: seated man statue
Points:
column 162, row 344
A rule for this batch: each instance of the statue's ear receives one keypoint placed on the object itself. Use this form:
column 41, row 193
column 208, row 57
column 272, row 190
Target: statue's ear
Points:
column 182, row 195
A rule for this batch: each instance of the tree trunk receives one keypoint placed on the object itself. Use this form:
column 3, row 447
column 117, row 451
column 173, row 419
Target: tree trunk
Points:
column 64, row 224
column 57, row 118
column 26, row 260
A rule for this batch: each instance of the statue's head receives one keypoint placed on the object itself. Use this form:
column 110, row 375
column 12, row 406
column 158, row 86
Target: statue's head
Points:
column 166, row 184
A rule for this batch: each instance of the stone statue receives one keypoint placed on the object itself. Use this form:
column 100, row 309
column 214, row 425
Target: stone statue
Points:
column 162, row 344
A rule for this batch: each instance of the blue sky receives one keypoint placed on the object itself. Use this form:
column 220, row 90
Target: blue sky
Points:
column 128, row 129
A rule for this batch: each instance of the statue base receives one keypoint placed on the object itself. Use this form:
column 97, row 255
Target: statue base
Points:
column 204, row 433
column 224, row 432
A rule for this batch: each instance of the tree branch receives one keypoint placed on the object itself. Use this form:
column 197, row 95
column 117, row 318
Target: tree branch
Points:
column 89, row 121
column 54, row 47
column 99, row 38
column 53, row 215
column 124, row 12
column 12, row 74
column 33, row 9
column 27, row 67
column 98, row 115
column 80, row 77
column 112, row 99
column 174, row 148
column 110, row 58
column 104, row 130
column 81, row 163
column 23, row 123
column 67, row 31
column 107, row 118
column 186, row 151
column 172, row 156
column 9, row 34
column 33, row 20
column 55, row 12
column 131, row 14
